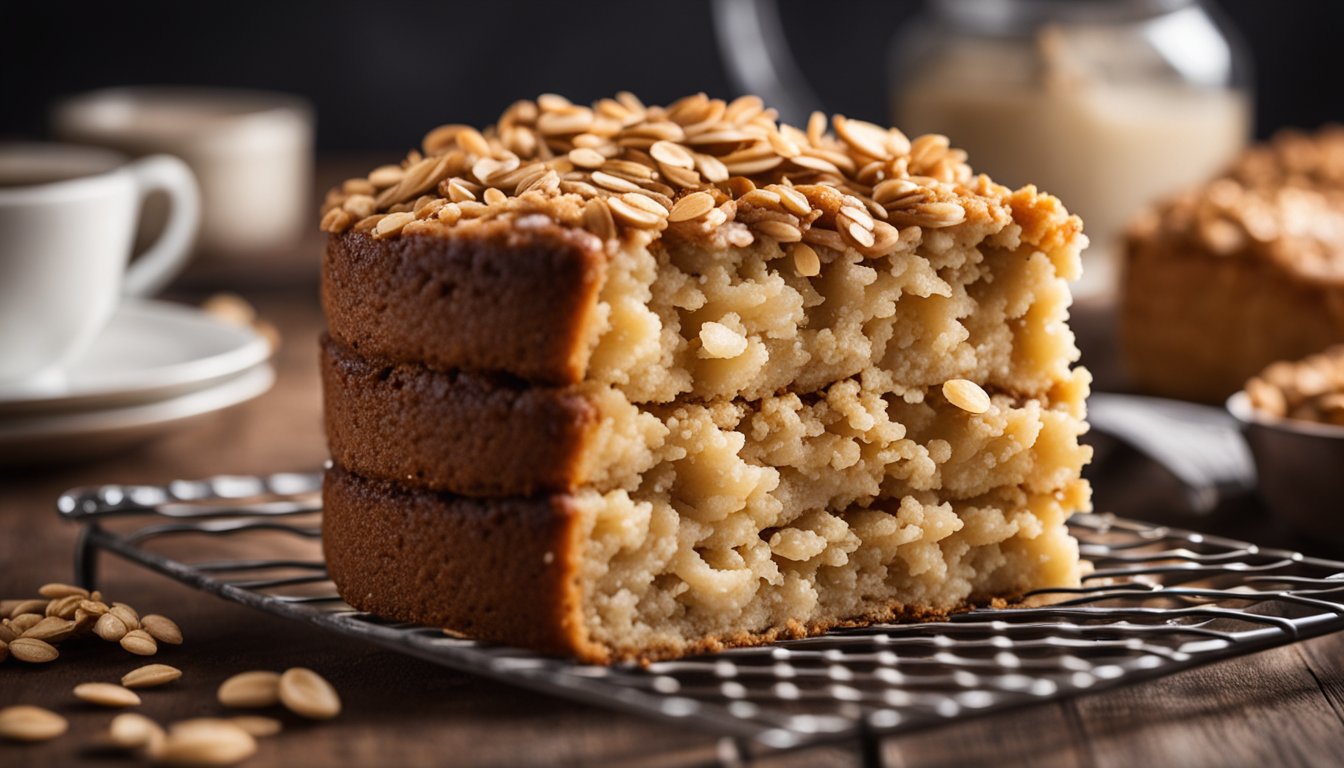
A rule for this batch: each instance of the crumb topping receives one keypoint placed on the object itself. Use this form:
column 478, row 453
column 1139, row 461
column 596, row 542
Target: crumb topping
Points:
column 1282, row 201
column 700, row 168
column 1311, row 389
column 1295, row 159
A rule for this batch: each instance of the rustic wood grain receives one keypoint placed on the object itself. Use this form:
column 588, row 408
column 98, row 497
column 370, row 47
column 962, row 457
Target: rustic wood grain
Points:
column 1046, row 736
column 1324, row 658
column 1264, row 709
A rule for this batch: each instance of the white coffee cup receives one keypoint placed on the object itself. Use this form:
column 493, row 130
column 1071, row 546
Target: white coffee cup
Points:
column 67, row 224
column 251, row 151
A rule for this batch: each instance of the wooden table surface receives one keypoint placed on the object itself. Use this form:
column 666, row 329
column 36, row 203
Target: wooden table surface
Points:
column 1280, row 707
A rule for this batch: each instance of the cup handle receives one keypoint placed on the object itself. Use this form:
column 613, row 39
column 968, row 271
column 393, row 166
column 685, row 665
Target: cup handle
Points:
column 170, row 253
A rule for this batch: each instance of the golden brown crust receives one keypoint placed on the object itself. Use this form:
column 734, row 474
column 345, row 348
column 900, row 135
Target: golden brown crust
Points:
column 552, row 177
column 498, row 570
column 472, row 434
column 476, row 435
column 503, row 570
column 1196, row 326
column 505, row 298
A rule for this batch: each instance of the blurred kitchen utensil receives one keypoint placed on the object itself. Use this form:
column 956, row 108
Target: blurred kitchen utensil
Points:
column 1200, row 445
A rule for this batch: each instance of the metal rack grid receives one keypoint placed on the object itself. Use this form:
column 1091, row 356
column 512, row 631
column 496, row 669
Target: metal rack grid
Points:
column 1159, row 600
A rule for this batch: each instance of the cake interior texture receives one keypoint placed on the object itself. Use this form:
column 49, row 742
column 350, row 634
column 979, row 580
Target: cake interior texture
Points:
column 711, row 437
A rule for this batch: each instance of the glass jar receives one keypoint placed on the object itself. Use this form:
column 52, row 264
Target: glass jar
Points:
column 1107, row 104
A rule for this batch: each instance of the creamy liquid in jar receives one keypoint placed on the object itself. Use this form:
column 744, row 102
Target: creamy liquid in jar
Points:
column 1104, row 149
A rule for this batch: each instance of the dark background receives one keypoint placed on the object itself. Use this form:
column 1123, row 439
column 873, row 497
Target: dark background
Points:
column 381, row 73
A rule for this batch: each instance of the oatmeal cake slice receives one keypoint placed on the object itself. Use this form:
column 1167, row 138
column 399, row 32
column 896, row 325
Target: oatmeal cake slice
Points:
column 627, row 382
column 1228, row 277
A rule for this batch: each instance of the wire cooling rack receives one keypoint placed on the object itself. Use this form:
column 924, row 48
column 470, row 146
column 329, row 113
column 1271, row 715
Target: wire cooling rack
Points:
column 1159, row 600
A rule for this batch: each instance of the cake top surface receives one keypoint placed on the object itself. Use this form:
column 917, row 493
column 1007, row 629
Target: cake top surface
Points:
column 1282, row 201
column 699, row 168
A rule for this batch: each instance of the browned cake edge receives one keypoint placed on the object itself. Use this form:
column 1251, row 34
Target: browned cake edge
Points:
column 503, row 570
column 472, row 434
column 504, row 298
column 1196, row 325
column 497, row 570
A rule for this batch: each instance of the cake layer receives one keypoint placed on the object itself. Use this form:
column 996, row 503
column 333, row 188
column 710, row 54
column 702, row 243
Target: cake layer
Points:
column 606, row 577
column 502, row 569
column 845, row 444
column 478, row 434
column 519, row 301
column 984, row 299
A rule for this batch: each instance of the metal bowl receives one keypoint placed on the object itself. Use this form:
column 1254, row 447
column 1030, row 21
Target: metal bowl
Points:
column 1301, row 468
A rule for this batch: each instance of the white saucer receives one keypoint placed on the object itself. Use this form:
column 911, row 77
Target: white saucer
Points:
column 150, row 350
column 81, row 434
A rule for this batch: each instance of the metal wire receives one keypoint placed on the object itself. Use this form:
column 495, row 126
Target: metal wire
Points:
column 1159, row 600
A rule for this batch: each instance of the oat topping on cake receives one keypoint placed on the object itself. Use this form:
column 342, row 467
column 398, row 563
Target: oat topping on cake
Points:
column 1295, row 159
column 699, row 168
column 1282, row 202
column 1311, row 389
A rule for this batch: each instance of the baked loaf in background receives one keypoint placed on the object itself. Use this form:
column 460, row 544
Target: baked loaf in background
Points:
column 625, row 382
column 1247, row 269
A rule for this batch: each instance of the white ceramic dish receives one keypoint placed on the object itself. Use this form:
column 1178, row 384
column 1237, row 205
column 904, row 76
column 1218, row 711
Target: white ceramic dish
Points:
column 82, row 434
column 149, row 351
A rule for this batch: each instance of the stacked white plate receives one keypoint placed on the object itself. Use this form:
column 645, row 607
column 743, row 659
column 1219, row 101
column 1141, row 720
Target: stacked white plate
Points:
column 154, row 366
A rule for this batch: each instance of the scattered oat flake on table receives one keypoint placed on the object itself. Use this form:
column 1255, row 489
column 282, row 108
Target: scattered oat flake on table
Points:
column 253, row 689
column 107, row 695
column 150, row 676
column 25, row 723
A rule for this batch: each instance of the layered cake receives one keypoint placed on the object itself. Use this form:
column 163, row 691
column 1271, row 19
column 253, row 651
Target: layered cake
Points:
column 1247, row 269
column 624, row 382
